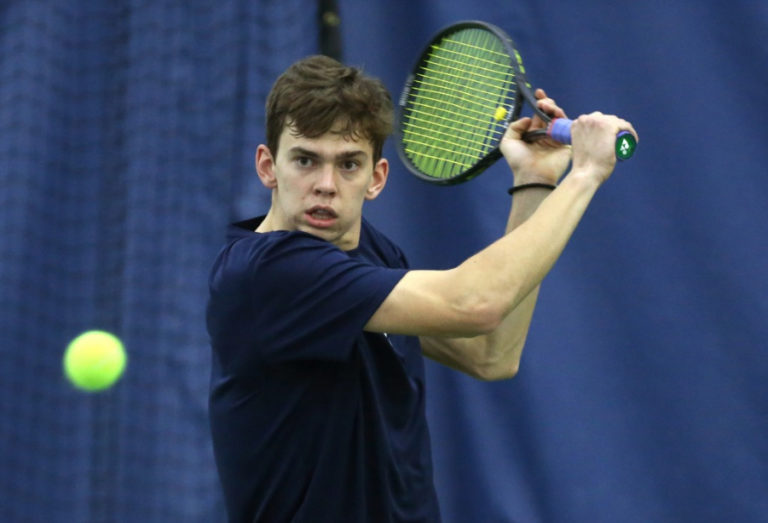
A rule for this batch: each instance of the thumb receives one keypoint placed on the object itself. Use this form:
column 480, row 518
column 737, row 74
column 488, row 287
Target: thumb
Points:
column 517, row 128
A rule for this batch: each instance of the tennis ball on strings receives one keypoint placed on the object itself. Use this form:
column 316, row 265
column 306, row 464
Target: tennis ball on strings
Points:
column 501, row 113
column 94, row 360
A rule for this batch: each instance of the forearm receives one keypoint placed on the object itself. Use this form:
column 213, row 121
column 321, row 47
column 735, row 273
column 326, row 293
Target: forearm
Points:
column 503, row 348
column 495, row 355
column 487, row 302
column 502, row 275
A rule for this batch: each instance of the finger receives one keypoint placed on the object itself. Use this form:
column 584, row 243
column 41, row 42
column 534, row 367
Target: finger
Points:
column 541, row 94
column 626, row 126
column 549, row 107
column 622, row 125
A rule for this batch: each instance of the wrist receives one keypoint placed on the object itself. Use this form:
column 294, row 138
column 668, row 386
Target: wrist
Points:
column 582, row 179
column 524, row 178
column 586, row 177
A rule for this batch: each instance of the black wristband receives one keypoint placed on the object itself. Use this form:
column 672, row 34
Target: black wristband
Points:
column 529, row 186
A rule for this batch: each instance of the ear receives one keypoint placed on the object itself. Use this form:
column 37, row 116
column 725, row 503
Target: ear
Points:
column 265, row 167
column 380, row 174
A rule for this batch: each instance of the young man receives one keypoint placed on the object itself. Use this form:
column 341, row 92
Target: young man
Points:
column 318, row 327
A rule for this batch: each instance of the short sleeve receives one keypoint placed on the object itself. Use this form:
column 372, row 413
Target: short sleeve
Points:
column 301, row 298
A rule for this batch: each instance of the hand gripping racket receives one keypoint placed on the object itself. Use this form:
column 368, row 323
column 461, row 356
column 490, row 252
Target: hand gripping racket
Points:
column 465, row 89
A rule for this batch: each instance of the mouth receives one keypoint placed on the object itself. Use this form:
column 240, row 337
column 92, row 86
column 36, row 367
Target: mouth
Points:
column 321, row 216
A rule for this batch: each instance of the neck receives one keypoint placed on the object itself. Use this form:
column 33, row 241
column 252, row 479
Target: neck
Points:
column 266, row 224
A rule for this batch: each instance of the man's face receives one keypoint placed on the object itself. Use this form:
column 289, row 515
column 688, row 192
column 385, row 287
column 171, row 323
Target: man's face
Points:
column 319, row 184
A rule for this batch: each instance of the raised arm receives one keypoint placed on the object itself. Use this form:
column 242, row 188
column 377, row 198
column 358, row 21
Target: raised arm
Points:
column 475, row 317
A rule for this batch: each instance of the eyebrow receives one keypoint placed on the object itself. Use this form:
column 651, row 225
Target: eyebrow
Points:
column 298, row 150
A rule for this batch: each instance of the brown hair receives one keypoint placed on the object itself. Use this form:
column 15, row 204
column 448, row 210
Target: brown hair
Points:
column 318, row 94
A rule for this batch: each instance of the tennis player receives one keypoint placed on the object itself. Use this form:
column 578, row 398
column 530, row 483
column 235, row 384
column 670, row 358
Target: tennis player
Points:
column 318, row 327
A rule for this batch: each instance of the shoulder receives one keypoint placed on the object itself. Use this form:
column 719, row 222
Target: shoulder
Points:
column 249, row 252
column 377, row 243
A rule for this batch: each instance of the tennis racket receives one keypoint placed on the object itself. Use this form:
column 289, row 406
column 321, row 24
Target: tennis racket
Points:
column 466, row 87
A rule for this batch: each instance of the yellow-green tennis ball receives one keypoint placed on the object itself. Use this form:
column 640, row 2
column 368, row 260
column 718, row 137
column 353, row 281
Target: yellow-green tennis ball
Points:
column 94, row 360
column 501, row 113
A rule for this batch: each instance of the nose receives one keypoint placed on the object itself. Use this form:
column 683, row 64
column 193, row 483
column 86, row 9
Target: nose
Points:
column 326, row 181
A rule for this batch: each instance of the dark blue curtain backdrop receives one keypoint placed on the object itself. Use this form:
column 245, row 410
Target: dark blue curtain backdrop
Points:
column 127, row 133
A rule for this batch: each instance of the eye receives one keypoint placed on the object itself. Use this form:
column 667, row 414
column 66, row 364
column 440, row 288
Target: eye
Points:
column 350, row 165
column 303, row 161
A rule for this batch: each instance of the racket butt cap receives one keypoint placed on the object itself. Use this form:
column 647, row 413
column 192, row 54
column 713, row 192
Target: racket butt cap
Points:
column 625, row 145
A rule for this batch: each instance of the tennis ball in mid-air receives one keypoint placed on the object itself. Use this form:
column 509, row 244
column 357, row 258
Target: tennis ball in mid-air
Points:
column 501, row 113
column 94, row 360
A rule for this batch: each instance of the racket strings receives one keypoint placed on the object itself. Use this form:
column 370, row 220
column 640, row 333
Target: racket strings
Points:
column 442, row 86
column 464, row 77
column 453, row 108
column 449, row 124
column 490, row 70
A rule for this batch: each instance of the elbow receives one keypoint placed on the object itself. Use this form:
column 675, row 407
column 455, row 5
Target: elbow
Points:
column 499, row 358
column 490, row 373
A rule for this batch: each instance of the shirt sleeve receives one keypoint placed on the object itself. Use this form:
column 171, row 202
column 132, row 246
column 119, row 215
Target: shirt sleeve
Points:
column 305, row 299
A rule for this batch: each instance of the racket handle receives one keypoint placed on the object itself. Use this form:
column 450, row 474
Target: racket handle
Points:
column 560, row 129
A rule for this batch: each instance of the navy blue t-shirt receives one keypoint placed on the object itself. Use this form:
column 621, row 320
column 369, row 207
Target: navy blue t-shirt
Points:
column 312, row 418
